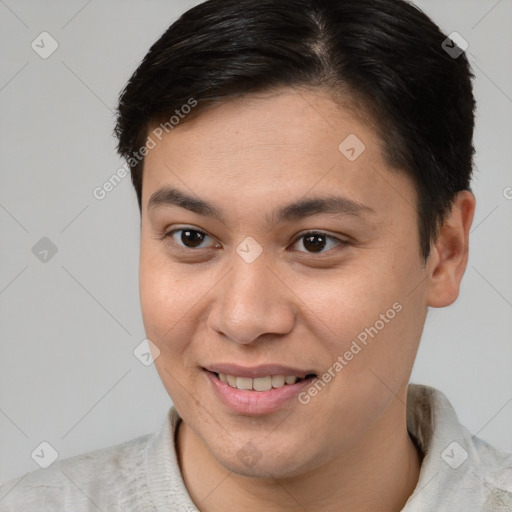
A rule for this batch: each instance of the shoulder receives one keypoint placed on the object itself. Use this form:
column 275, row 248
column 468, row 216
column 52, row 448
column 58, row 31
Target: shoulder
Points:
column 493, row 468
column 89, row 481
column 459, row 471
column 475, row 474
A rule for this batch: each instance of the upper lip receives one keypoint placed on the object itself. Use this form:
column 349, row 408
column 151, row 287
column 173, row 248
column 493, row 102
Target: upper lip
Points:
column 258, row 371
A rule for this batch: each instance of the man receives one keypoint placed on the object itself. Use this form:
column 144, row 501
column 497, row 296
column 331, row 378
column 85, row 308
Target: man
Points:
column 303, row 173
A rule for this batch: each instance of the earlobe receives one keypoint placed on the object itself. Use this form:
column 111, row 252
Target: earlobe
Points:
column 450, row 252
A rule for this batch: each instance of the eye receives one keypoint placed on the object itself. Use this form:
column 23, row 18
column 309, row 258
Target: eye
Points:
column 188, row 238
column 316, row 241
column 313, row 241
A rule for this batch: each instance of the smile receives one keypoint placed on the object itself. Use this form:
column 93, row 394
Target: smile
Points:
column 260, row 394
column 260, row 383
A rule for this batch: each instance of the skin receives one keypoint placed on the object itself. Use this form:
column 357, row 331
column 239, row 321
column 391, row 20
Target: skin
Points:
column 348, row 448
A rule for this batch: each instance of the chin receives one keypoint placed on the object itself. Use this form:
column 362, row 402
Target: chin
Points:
column 268, row 462
column 265, row 468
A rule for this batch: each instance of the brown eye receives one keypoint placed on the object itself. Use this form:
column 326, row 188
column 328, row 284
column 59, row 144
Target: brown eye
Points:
column 188, row 238
column 316, row 242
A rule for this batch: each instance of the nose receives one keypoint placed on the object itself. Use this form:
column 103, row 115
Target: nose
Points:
column 252, row 301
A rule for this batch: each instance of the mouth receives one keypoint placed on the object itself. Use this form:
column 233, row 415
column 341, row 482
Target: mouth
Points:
column 261, row 384
column 257, row 390
column 265, row 392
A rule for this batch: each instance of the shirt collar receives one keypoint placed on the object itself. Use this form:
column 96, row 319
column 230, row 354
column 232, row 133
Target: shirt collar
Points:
column 459, row 471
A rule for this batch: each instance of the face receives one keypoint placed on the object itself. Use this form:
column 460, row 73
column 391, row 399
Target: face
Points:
column 293, row 256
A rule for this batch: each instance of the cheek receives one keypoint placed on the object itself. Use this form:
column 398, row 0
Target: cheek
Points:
column 155, row 294
column 164, row 305
column 369, row 319
column 347, row 301
column 172, row 300
column 164, row 300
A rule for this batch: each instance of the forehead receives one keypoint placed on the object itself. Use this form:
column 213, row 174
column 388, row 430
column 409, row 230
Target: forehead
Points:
column 286, row 144
column 287, row 117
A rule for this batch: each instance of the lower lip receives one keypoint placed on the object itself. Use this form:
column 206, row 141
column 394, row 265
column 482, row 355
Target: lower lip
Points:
column 255, row 402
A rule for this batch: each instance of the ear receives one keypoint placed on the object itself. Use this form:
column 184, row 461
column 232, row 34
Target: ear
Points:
column 449, row 253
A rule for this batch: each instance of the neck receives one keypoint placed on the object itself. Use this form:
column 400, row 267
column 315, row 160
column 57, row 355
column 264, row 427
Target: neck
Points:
column 380, row 473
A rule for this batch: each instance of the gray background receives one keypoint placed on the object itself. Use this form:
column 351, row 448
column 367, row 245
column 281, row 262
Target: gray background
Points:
column 69, row 326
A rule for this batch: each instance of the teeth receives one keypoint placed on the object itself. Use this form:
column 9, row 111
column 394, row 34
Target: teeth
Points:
column 262, row 383
column 277, row 381
column 259, row 383
column 244, row 383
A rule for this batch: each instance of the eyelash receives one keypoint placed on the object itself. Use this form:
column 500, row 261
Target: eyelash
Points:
column 341, row 242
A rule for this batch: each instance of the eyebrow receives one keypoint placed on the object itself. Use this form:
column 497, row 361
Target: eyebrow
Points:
column 297, row 210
